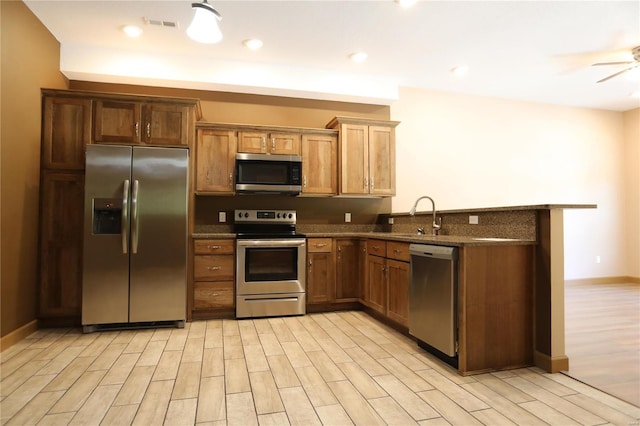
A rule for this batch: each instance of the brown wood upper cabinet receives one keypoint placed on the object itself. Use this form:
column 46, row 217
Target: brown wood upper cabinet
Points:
column 367, row 154
column 215, row 161
column 269, row 143
column 66, row 129
column 319, row 164
column 132, row 122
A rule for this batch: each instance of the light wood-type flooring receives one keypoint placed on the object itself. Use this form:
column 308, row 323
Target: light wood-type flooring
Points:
column 334, row 369
column 602, row 337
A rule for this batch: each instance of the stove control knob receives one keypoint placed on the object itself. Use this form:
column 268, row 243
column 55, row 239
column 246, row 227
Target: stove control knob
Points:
column 278, row 215
column 290, row 215
column 246, row 214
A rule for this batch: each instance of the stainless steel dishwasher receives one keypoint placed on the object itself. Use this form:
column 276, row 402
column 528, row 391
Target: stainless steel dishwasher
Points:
column 433, row 301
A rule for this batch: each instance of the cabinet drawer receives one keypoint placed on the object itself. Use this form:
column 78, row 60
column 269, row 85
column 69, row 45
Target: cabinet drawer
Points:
column 213, row 246
column 398, row 251
column 213, row 268
column 319, row 245
column 377, row 247
column 209, row 295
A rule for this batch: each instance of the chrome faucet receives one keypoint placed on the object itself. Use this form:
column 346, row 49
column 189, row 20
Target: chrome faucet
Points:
column 436, row 224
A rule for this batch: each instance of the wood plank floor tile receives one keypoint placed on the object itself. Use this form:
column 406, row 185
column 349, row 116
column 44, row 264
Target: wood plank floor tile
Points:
column 120, row 415
column 354, row 404
column 78, row 393
column 448, row 409
column 391, row 412
column 299, row 409
column 359, row 378
column 236, row 376
column 187, row 382
column 240, row 410
column 410, row 401
column 181, row 412
column 333, row 415
column 96, row 406
column 265, row 393
column 120, row 370
column 283, row 373
column 155, row 403
column 316, row 388
column 167, row 368
column 273, row 419
column 35, row 409
column 213, row 362
column 330, row 368
column 135, row 386
column 325, row 366
column 211, row 400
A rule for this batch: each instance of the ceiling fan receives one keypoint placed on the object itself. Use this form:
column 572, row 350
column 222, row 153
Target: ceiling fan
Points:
column 635, row 63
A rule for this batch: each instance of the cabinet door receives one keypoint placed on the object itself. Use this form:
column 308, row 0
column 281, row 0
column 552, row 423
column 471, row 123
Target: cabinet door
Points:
column 61, row 219
column 376, row 284
column 398, row 291
column 166, row 124
column 347, row 269
column 320, row 278
column 382, row 160
column 319, row 164
column 117, row 121
column 252, row 142
column 215, row 159
column 66, row 129
column 354, row 159
column 284, row 143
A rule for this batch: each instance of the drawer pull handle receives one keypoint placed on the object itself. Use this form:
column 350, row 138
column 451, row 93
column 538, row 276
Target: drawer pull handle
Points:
column 214, row 268
column 320, row 245
column 397, row 251
column 376, row 247
column 214, row 247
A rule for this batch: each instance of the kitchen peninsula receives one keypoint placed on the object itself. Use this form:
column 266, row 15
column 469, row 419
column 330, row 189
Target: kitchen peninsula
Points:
column 513, row 257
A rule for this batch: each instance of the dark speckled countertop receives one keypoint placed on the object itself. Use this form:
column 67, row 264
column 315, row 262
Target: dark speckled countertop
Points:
column 446, row 240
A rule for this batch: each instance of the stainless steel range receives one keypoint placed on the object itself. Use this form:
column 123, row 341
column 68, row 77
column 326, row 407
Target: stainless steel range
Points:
column 270, row 264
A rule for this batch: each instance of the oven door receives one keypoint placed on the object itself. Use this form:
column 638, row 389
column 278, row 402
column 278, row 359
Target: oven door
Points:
column 270, row 266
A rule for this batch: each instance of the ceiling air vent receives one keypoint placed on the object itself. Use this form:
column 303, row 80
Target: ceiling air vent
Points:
column 161, row 23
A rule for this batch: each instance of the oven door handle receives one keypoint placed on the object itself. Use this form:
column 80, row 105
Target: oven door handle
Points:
column 295, row 242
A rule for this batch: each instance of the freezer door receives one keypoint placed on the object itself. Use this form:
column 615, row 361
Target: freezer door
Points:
column 105, row 272
column 158, row 274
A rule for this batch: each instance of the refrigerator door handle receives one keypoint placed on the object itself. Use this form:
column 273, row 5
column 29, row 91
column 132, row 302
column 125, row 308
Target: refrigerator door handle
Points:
column 134, row 217
column 124, row 219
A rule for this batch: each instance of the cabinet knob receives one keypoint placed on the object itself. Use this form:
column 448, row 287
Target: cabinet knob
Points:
column 137, row 128
column 230, row 179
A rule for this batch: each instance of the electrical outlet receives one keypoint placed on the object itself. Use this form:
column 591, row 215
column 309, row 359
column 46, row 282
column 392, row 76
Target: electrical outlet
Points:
column 390, row 221
column 222, row 217
column 347, row 217
column 597, row 259
column 473, row 220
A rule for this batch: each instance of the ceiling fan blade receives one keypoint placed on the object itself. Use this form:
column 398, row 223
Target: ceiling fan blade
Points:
column 612, row 63
column 616, row 74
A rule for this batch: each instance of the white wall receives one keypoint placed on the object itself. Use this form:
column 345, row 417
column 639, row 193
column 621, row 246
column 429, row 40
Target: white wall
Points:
column 632, row 178
column 469, row 151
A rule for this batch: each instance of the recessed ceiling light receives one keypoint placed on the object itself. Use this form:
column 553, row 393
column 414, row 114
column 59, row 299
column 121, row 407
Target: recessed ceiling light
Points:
column 253, row 43
column 132, row 30
column 358, row 57
column 460, row 70
column 406, row 3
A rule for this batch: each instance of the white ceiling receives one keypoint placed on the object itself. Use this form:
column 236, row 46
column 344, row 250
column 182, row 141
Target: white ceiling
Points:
column 537, row 51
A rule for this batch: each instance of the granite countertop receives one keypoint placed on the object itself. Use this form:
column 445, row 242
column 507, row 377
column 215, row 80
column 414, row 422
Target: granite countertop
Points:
column 446, row 240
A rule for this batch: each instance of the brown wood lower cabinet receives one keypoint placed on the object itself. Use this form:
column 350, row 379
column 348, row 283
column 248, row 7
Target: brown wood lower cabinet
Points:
column 321, row 281
column 348, row 271
column 62, row 200
column 214, row 277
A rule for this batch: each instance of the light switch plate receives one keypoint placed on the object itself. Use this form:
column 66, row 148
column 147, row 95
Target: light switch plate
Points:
column 222, row 217
column 473, row 220
column 347, row 217
column 390, row 221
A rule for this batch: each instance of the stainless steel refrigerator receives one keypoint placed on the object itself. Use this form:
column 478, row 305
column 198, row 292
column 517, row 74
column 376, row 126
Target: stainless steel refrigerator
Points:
column 135, row 236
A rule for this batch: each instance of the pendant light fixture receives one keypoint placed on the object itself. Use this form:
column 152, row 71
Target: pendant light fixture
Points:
column 204, row 27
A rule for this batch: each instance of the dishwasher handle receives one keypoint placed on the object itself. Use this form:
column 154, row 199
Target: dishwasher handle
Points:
column 437, row 252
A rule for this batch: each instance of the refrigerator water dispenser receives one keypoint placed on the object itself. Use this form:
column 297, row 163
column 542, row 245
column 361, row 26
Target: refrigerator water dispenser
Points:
column 107, row 216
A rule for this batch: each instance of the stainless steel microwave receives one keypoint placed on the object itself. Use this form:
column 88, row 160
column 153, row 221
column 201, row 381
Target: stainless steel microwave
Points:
column 268, row 174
